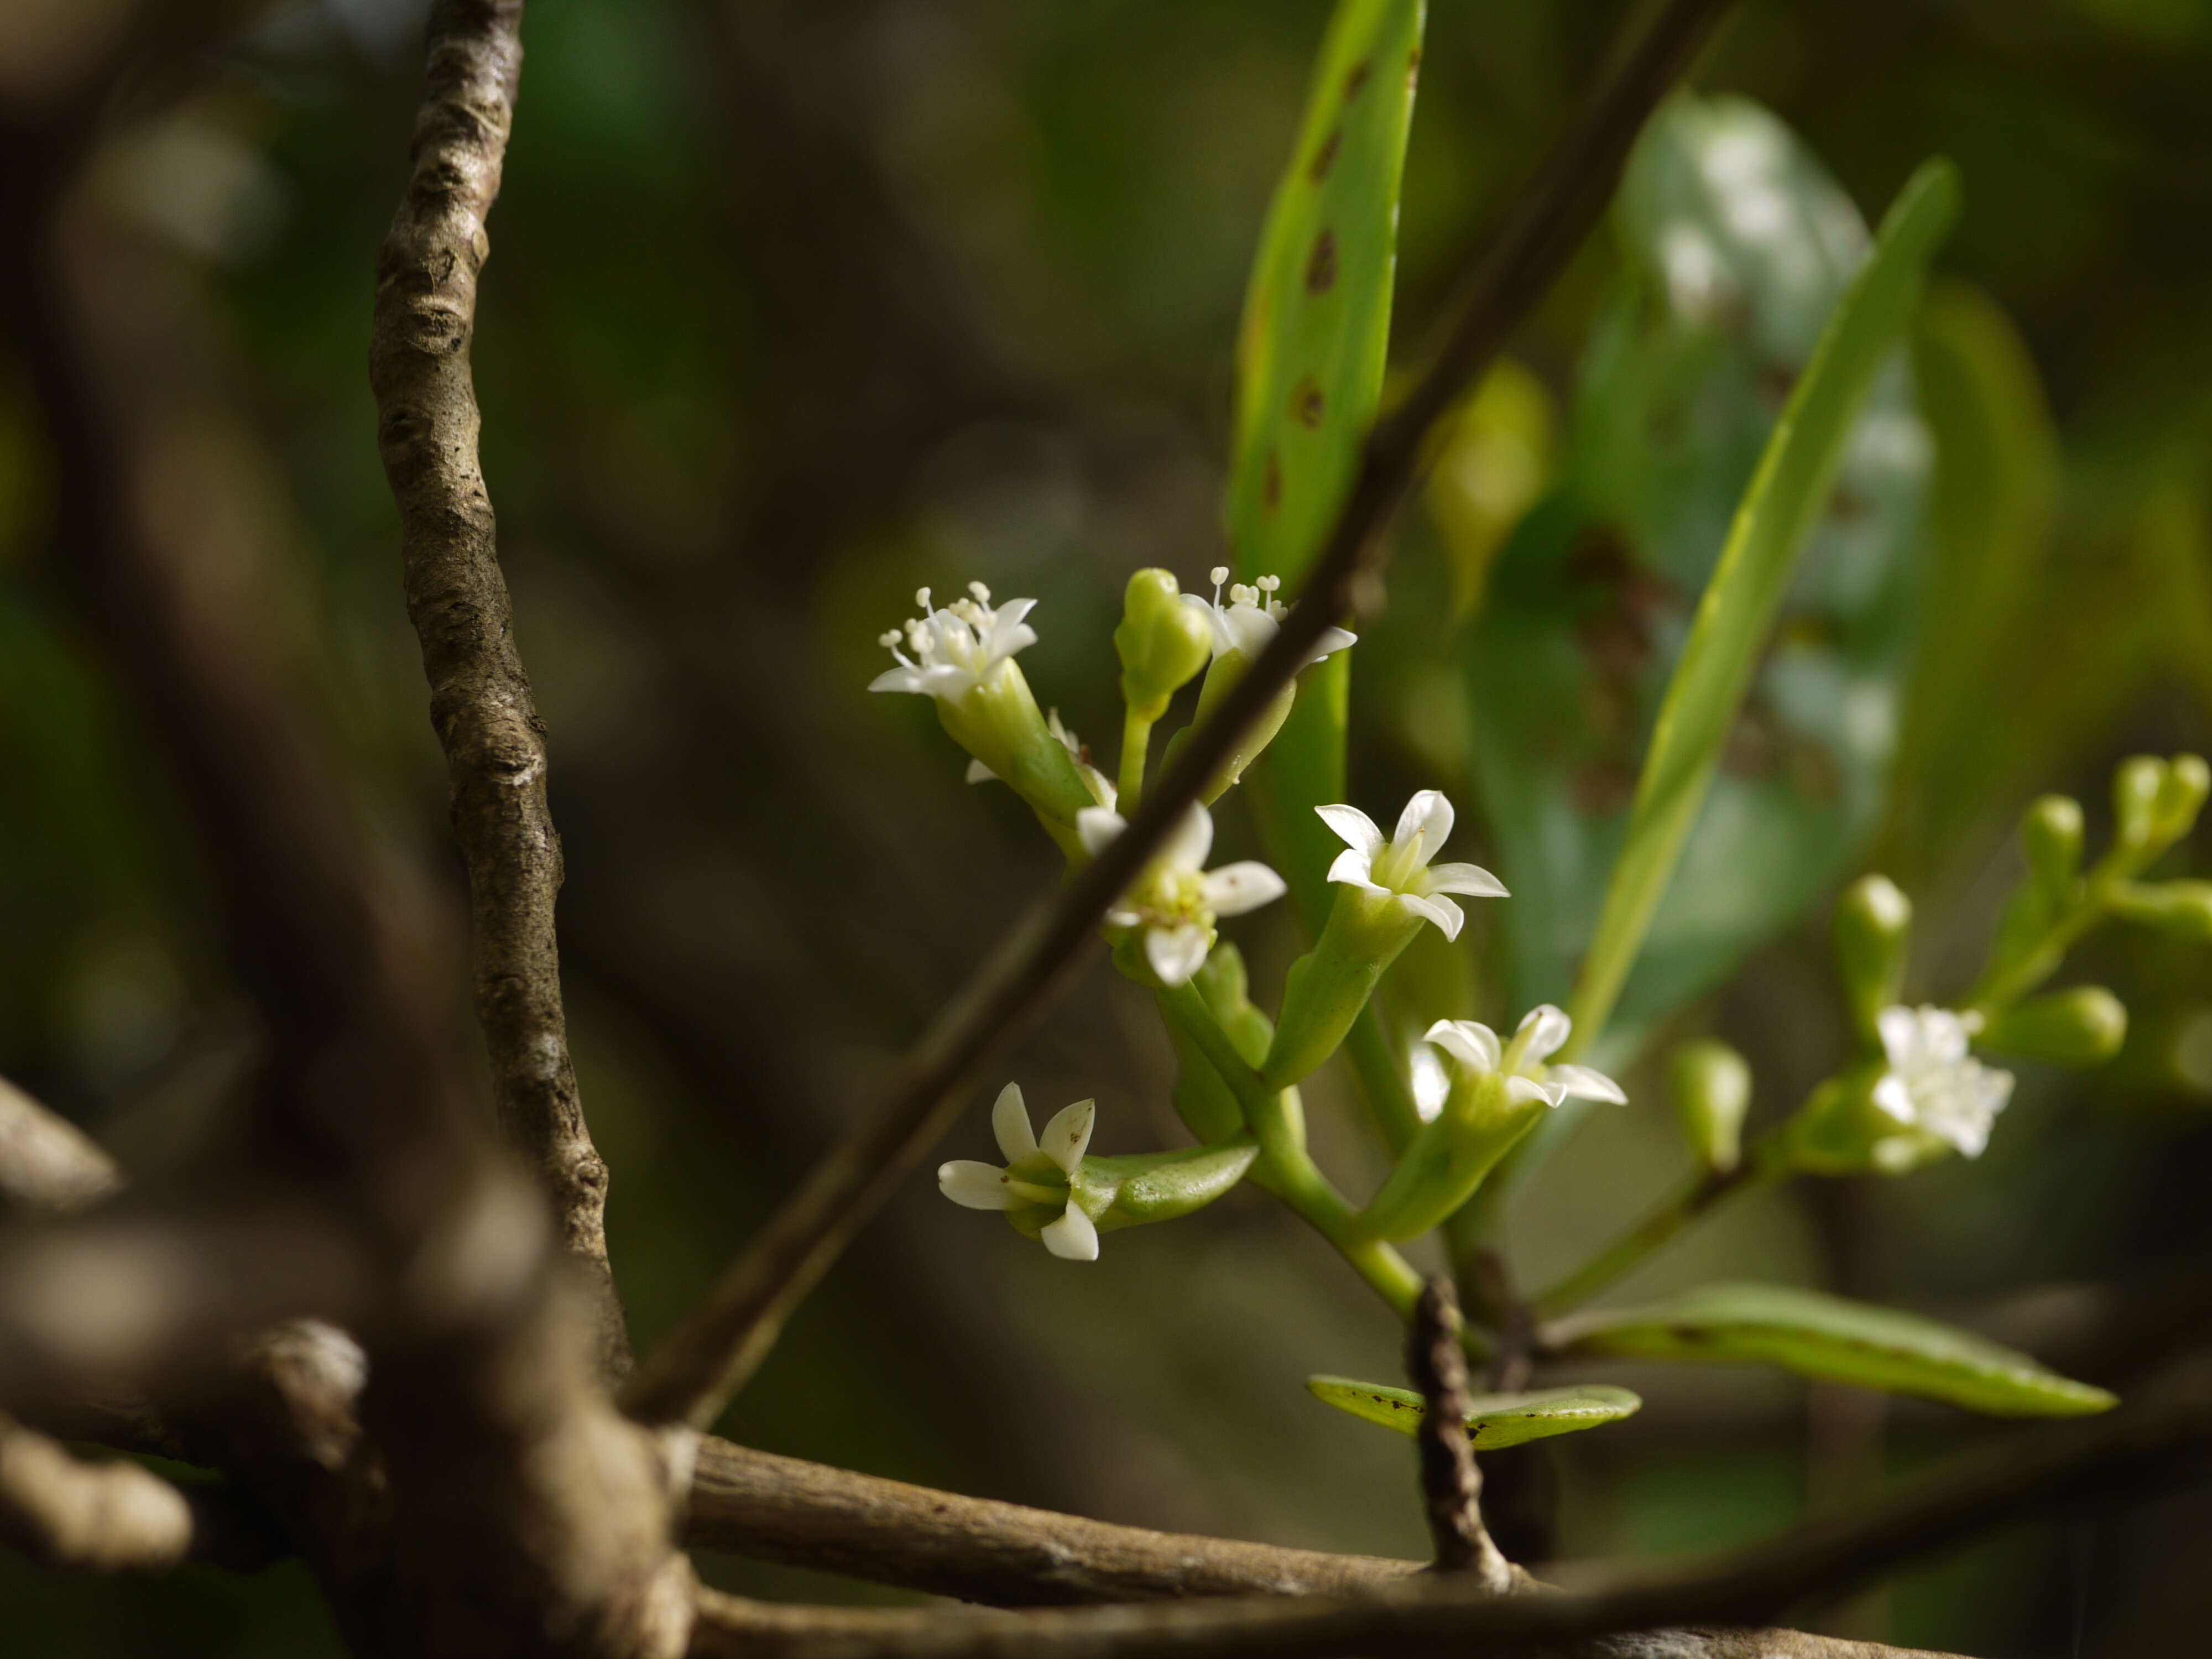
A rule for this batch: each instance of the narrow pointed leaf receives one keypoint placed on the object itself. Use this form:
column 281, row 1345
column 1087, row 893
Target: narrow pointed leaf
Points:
column 1497, row 1419
column 1840, row 1341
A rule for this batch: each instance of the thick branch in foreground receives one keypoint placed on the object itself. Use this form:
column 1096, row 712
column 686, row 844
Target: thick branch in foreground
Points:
column 48, row 1164
column 480, row 699
column 117, row 1517
column 710, row 1357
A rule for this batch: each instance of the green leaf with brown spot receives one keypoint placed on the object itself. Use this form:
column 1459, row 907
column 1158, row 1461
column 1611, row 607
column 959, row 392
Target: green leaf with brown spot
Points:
column 1497, row 1419
column 1839, row 1341
column 1310, row 361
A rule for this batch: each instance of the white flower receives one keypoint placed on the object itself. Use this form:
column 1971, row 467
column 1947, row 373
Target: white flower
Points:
column 1402, row 868
column 1476, row 1047
column 1034, row 1173
column 1100, row 785
column 1932, row 1083
column 957, row 648
column 1253, row 614
column 1177, row 900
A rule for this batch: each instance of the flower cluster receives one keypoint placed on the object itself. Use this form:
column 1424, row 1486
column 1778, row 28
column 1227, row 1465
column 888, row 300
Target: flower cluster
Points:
column 957, row 648
column 1932, row 1083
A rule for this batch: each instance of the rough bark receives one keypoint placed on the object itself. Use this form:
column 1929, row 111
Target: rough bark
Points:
column 457, row 597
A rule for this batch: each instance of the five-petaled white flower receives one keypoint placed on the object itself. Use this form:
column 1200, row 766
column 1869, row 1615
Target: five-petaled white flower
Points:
column 1253, row 614
column 1035, row 1173
column 1401, row 868
column 1476, row 1047
column 1177, row 900
column 1932, row 1082
column 957, row 648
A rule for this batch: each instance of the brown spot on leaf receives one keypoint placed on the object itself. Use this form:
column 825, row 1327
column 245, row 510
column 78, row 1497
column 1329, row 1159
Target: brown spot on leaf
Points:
column 1307, row 403
column 1271, row 483
column 1356, row 78
column 1320, row 264
column 1412, row 71
column 1325, row 157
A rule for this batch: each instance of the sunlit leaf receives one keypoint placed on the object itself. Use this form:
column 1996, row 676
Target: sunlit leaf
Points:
column 1496, row 1420
column 1310, row 361
column 1825, row 1336
column 1773, row 740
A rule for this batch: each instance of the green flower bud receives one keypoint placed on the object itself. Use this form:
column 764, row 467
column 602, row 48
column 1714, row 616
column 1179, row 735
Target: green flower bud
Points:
column 2181, row 797
column 1480, row 1122
column 2084, row 1026
column 1330, row 984
column 1872, row 920
column 1129, row 1191
column 1227, row 670
column 1205, row 1103
column 2137, row 787
column 2182, row 907
column 1711, row 1082
column 1163, row 643
column 1840, row 1131
column 2051, row 841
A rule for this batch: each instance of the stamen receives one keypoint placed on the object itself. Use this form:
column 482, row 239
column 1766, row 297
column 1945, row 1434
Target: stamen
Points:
column 921, row 599
column 1269, row 584
column 1218, row 575
column 982, row 593
column 890, row 637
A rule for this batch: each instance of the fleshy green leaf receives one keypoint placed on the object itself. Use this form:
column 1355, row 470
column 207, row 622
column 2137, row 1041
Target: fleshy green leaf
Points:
column 1497, row 1419
column 1739, row 247
column 1826, row 1337
column 1310, row 361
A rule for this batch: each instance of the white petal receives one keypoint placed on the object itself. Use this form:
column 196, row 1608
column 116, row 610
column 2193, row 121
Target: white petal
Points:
column 1222, row 640
column 1585, row 1085
column 979, row 773
column 1006, row 641
column 1471, row 880
column 1546, row 1028
column 1010, row 613
column 1468, row 1040
column 1332, row 641
column 1892, row 1096
column 1072, row 1238
column 1429, row 813
column 1526, row 1091
column 1236, row 888
column 1010, row 1122
column 1189, row 841
column 1176, row 953
column 1448, row 917
column 902, row 678
column 1354, row 868
column 1097, row 825
column 1900, row 1029
column 976, row 1186
column 1068, row 1134
column 1249, row 629
column 1358, row 829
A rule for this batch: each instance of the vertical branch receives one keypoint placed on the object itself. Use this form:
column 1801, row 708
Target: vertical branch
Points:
column 457, row 597
column 1451, row 1486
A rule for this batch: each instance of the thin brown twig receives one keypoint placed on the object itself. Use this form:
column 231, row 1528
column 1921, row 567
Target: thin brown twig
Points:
column 1451, row 1486
column 457, row 597
column 694, row 1374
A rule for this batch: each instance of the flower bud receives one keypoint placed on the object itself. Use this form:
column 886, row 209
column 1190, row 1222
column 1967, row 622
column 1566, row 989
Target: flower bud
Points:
column 2181, row 907
column 2137, row 787
column 2181, row 797
column 1711, row 1082
column 1840, row 1131
column 1872, row 920
column 1128, row 1192
column 2051, row 841
column 1163, row 643
column 2084, row 1026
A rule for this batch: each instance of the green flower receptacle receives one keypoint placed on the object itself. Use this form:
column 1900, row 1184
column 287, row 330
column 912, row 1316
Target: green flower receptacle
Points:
column 1330, row 983
column 1480, row 1123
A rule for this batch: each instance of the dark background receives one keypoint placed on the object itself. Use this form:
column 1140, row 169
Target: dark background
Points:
column 794, row 306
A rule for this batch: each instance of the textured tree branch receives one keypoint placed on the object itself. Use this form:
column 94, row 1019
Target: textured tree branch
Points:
column 117, row 1517
column 46, row 1162
column 693, row 1375
column 457, row 597
column 1451, row 1486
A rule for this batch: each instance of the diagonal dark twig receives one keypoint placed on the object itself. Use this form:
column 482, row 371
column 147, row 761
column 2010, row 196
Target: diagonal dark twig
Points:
column 1451, row 1486
column 713, row 1353
column 480, row 698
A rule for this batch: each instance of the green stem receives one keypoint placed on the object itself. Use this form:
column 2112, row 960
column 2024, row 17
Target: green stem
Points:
column 1136, row 740
column 1292, row 1174
column 1382, row 1080
column 1696, row 1198
column 2035, row 964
